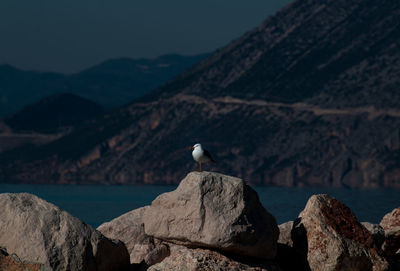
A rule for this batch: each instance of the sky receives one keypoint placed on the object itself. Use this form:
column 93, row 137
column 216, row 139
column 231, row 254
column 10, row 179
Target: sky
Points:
column 70, row 35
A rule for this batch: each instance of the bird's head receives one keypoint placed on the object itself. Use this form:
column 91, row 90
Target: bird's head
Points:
column 195, row 146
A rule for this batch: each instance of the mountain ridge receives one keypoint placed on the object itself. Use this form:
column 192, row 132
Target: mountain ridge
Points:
column 111, row 83
column 287, row 51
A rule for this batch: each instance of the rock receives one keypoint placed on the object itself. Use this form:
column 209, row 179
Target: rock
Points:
column 391, row 224
column 391, row 246
column 129, row 228
column 215, row 211
column 335, row 239
column 39, row 231
column 378, row 233
column 298, row 260
column 3, row 251
column 183, row 258
column 285, row 233
column 157, row 255
column 14, row 263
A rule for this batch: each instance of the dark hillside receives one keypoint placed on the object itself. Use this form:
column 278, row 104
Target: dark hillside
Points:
column 53, row 113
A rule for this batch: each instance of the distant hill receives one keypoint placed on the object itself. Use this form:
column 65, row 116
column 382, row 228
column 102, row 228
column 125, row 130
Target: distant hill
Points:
column 19, row 88
column 308, row 98
column 53, row 113
column 111, row 83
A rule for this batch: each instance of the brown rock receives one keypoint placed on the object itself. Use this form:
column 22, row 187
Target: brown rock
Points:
column 14, row 263
column 335, row 239
column 39, row 231
column 216, row 211
column 129, row 228
column 183, row 258
column 391, row 224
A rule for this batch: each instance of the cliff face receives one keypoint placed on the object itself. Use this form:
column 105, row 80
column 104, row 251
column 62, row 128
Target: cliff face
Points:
column 310, row 97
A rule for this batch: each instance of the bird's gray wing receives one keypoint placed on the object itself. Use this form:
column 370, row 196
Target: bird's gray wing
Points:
column 206, row 153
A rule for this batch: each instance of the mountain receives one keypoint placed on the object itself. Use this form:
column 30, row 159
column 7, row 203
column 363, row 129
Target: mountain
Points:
column 53, row 113
column 119, row 81
column 111, row 83
column 308, row 98
column 19, row 88
column 47, row 120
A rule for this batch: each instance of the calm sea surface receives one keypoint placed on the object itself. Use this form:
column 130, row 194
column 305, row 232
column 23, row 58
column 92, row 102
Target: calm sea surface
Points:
column 98, row 204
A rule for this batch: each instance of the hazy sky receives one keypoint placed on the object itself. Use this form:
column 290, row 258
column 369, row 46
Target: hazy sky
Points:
column 69, row 35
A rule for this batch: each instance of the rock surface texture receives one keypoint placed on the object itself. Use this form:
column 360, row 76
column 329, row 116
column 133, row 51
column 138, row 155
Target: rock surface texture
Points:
column 183, row 258
column 38, row 231
column 377, row 231
column 285, row 233
column 14, row 263
column 129, row 228
column 391, row 247
column 335, row 238
column 214, row 211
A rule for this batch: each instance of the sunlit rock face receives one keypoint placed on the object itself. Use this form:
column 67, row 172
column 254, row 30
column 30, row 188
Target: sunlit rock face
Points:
column 334, row 239
column 215, row 211
column 40, row 232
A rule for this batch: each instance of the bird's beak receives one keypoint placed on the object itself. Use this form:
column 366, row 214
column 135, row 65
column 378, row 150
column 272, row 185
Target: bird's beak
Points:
column 191, row 148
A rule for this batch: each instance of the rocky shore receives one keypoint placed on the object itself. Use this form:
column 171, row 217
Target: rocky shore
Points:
column 210, row 222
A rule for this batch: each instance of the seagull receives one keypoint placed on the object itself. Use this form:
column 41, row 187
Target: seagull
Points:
column 201, row 155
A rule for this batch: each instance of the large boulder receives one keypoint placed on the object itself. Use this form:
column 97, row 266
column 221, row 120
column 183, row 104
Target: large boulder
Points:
column 38, row 231
column 391, row 224
column 215, row 211
column 129, row 228
column 335, row 239
column 183, row 258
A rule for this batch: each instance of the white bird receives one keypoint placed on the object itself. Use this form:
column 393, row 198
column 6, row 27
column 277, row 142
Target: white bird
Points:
column 201, row 155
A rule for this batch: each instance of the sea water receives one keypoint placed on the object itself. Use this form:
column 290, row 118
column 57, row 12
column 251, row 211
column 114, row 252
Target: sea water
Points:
column 96, row 204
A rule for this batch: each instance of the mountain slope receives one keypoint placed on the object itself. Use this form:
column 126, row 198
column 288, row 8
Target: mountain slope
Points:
column 311, row 51
column 54, row 112
column 119, row 81
column 19, row 88
column 111, row 83
column 309, row 98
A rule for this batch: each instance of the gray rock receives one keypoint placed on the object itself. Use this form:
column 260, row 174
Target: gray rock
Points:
column 183, row 259
column 290, row 257
column 129, row 228
column 335, row 239
column 216, row 211
column 157, row 255
column 285, row 233
column 378, row 233
column 38, row 231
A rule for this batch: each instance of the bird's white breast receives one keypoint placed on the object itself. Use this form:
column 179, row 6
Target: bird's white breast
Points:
column 197, row 154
